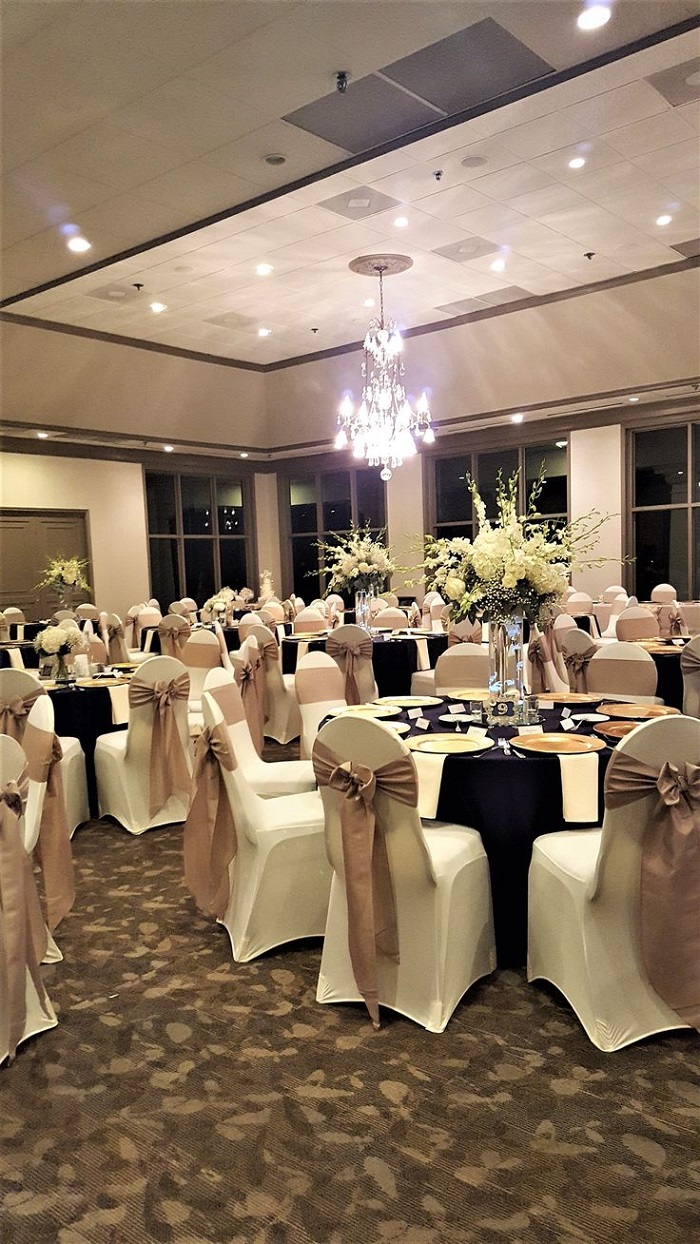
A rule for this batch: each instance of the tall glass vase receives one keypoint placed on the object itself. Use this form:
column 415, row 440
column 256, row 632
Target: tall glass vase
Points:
column 363, row 611
column 506, row 688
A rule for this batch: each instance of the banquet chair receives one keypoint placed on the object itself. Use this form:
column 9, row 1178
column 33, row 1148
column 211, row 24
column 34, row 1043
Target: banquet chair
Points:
column 690, row 613
column 636, row 623
column 63, row 615
column 545, row 668
column 279, row 880
column 199, row 654
column 395, row 619
column 463, row 665
column 24, row 1004
column 282, row 721
column 562, row 623
column 268, row 779
column 87, row 612
column 275, row 609
column 173, row 632
column 191, row 606
column 131, row 629
column 690, row 669
column 613, row 911
column 581, row 604
column 391, row 599
column 410, row 924
column 221, row 640
column 318, row 603
column 113, row 636
column 298, row 603
column 18, row 690
column 319, row 686
column 670, row 620
column 617, row 606
column 623, row 672
column 178, row 606
column 437, row 618
column 143, row 773
column 423, row 680
column 611, row 592
column 15, row 617
column 245, row 623
column 335, row 601
column 578, row 650
column 309, row 620
column 663, row 594
column 351, row 648
column 147, row 617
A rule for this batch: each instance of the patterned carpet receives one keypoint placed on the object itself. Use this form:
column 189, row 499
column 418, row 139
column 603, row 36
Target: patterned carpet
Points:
column 186, row 1098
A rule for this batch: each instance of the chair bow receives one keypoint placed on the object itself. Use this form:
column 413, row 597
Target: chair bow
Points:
column 474, row 637
column 370, row 896
column 168, row 765
column 23, row 936
column 690, row 662
column 249, row 674
column 116, row 642
column 576, row 666
column 209, row 842
column 14, row 713
column 348, row 654
column 538, row 654
column 173, row 638
column 670, row 874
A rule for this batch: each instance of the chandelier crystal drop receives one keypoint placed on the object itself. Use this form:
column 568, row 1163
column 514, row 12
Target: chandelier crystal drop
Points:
column 384, row 427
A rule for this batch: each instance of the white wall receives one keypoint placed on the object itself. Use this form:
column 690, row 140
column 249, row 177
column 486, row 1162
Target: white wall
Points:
column 268, row 529
column 404, row 498
column 596, row 464
column 112, row 493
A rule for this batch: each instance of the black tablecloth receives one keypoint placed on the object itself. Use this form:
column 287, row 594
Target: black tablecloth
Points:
column 85, row 713
column 670, row 678
column 510, row 800
column 395, row 660
column 30, row 656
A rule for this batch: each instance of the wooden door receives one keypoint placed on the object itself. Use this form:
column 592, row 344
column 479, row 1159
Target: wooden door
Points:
column 28, row 540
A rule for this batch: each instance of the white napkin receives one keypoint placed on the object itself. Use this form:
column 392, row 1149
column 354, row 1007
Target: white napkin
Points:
column 429, row 767
column 120, row 704
column 423, row 658
column 579, row 786
column 302, row 649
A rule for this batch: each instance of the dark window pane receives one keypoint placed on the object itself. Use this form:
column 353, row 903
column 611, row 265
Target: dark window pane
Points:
column 661, row 548
column 160, row 496
column 302, row 501
column 229, row 504
column 695, row 496
column 233, row 563
column 661, row 466
column 335, row 498
column 164, row 572
column 447, row 531
column 488, row 466
column 370, row 499
column 452, row 497
column 196, row 507
column 199, row 569
column 554, row 498
column 304, row 561
column 695, row 591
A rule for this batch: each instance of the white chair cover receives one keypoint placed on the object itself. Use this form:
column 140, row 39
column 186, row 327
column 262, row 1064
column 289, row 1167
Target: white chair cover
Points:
column 310, row 620
column 409, row 920
column 463, row 665
column 283, row 777
column 636, row 623
column 623, row 672
column 351, row 647
column 282, row 721
column 578, row 650
column 690, row 669
column 396, row 619
column 663, row 594
column 690, row 613
column 319, row 685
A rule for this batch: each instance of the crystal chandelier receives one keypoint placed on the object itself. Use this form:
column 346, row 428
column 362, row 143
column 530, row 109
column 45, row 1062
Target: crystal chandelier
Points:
column 385, row 426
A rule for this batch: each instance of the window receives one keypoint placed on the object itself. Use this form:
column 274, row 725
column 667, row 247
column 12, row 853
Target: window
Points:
column 320, row 506
column 198, row 537
column 453, row 512
column 665, row 533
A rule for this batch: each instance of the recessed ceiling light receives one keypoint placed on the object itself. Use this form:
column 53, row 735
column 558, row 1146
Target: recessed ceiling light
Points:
column 577, row 162
column 474, row 161
column 168, row 449
column 517, row 418
column 243, row 455
column 400, row 222
column 632, row 399
column 663, row 220
column 275, row 160
column 561, row 444
column 593, row 17
column 78, row 244
column 264, row 269
column 264, row 332
column 43, row 436
column 498, row 265
column 157, row 307
column 368, row 302
column 359, row 202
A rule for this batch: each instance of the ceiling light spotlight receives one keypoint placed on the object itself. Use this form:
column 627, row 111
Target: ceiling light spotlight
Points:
column 663, row 220
column 243, row 455
column 632, row 399
column 561, row 444
column 498, row 265
column 517, row 417
column 400, row 222
column 264, row 332
column 157, row 307
column 368, row 302
column 577, row 162
column 264, row 269
column 168, row 449
column 43, row 436
column 78, row 244
column 593, row 17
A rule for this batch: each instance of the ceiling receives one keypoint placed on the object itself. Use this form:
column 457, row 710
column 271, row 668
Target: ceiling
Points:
column 133, row 122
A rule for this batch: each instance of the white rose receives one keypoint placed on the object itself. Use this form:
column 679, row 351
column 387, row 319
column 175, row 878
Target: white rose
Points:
column 454, row 587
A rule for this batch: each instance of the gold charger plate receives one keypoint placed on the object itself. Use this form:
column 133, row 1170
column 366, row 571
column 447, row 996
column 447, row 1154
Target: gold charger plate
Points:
column 615, row 729
column 468, row 693
column 571, row 697
column 408, row 701
column 557, row 744
column 639, row 712
column 448, row 744
column 308, row 635
column 124, row 665
column 399, row 727
column 365, row 710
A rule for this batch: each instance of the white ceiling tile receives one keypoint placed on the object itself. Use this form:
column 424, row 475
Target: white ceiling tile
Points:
column 552, row 198
column 205, row 119
column 604, row 183
column 455, row 201
column 597, row 115
column 488, row 222
column 690, row 115
column 596, row 152
column 304, row 153
column 508, row 183
column 675, row 159
column 648, row 135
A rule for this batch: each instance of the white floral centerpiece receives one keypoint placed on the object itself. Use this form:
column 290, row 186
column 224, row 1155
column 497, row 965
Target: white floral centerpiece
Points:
column 65, row 576
column 219, row 605
column 55, row 643
column 359, row 564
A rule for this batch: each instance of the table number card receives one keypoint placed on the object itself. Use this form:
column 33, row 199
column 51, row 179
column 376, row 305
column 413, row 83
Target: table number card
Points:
column 476, row 732
column 456, row 709
column 530, row 730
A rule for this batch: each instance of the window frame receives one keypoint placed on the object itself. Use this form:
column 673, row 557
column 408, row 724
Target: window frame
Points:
column 690, row 505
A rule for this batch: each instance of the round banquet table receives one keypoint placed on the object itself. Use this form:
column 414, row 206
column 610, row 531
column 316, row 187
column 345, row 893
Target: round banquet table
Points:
column 667, row 659
column 394, row 658
column 510, row 800
column 30, row 656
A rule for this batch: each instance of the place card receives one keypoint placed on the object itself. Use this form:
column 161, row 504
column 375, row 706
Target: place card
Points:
column 456, row 709
column 530, row 730
column 567, row 723
column 414, row 713
column 566, row 712
column 422, row 723
column 476, row 732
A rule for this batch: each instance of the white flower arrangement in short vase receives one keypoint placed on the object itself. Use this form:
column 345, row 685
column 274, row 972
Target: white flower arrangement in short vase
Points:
column 358, row 563
column 220, row 605
column 65, row 576
column 54, row 644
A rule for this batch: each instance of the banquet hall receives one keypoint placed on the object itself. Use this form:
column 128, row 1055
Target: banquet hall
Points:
column 206, row 205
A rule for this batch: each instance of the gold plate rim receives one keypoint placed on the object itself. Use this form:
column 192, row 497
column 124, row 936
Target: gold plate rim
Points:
column 451, row 744
column 576, row 745
column 364, row 710
column 408, row 701
column 640, row 712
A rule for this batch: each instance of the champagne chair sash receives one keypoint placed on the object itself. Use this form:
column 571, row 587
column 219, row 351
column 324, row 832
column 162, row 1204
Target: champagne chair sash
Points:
column 53, row 850
column 210, row 842
column 201, row 656
column 670, row 876
column 116, row 642
column 670, row 620
column 348, row 654
column 577, row 665
column 230, row 703
column 23, row 936
column 4, row 629
column 168, row 764
column 690, row 663
column 474, row 636
column 173, row 638
column 370, row 897
column 617, row 675
column 249, row 673
column 629, row 629
column 538, row 654
column 14, row 713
